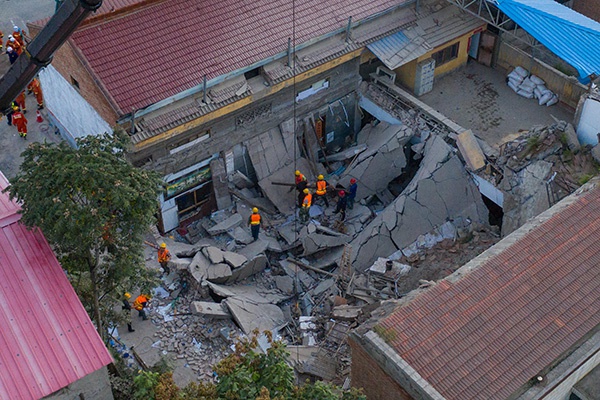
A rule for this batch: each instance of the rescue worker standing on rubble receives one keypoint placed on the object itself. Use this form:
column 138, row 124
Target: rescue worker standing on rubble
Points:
column 127, row 311
column 164, row 256
column 341, row 205
column 140, row 304
column 254, row 222
column 352, row 193
column 306, row 203
column 301, row 184
column 321, row 191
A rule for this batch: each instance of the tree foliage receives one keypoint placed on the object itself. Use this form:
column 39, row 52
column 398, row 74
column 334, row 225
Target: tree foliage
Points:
column 247, row 374
column 94, row 207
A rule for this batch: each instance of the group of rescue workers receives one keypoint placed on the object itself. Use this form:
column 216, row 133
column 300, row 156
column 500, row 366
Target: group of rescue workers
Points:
column 15, row 45
column 305, row 197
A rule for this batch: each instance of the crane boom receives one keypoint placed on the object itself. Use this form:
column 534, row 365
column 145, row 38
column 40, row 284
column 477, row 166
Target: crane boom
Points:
column 39, row 52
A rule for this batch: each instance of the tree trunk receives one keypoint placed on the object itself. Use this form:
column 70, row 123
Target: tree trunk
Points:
column 93, row 265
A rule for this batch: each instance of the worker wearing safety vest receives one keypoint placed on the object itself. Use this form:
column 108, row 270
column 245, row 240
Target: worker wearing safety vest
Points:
column 301, row 184
column 306, row 203
column 140, row 303
column 254, row 223
column 164, row 256
column 321, row 191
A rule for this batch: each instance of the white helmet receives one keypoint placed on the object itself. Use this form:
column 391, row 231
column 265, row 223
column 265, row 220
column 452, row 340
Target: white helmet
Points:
column 9, row 49
column 10, row 37
column 16, row 28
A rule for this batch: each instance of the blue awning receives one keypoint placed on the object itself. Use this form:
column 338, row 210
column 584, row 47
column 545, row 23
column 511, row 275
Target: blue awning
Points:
column 401, row 47
column 571, row 36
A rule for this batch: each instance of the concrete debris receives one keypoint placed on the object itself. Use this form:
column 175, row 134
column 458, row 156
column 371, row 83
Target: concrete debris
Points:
column 326, row 258
column 429, row 200
column 234, row 260
column 383, row 160
column 284, row 197
column 241, row 235
column 470, row 150
column 272, row 243
column 214, row 254
column 383, row 265
column 240, row 180
column 254, row 249
column 210, row 310
column 222, row 227
column 297, row 274
column 252, row 267
column 288, row 233
column 285, row 284
column 322, row 287
column 318, row 242
column 571, row 137
column 348, row 153
column 346, row 313
column 255, row 293
column 250, row 315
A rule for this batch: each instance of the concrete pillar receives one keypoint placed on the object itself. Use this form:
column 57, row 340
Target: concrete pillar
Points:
column 220, row 187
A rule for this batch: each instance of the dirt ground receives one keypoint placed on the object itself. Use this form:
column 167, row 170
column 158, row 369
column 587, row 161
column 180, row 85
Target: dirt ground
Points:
column 22, row 11
column 477, row 97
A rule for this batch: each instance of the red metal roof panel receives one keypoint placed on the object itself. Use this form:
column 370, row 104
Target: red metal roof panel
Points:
column 150, row 48
column 47, row 340
column 487, row 334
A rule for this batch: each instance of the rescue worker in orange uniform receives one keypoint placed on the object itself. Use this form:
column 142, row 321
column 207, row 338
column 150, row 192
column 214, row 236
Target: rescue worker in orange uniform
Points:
column 254, row 222
column 1, row 40
column 36, row 88
column 306, row 203
column 164, row 256
column 19, row 121
column 321, row 191
column 20, row 100
column 16, row 46
column 301, row 184
column 19, row 34
column 140, row 304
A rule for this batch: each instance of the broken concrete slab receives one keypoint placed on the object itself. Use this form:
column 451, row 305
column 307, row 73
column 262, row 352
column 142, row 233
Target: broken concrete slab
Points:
column 314, row 361
column 396, row 269
column 318, row 242
column 281, row 196
column 178, row 249
column 240, row 180
column 210, row 310
column 429, row 200
column 571, row 137
column 470, row 150
column 284, row 283
column 256, row 293
column 288, row 233
column 348, row 153
column 180, row 264
column 242, row 236
column 322, row 287
column 272, row 243
column 253, row 249
column 234, row 260
column 295, row 272
column 202, row 269
column 346, row 313
column 252, row 267
column 250, row 315
column 214, row 254
column 218, row 273
column 230, row 223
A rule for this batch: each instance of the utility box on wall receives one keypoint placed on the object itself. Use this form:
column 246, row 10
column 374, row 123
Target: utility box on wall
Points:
column 424, row 77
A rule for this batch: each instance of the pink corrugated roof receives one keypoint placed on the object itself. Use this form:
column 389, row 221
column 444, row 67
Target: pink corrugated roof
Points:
column 165, row 48
column 47, row 340
column 487, row 334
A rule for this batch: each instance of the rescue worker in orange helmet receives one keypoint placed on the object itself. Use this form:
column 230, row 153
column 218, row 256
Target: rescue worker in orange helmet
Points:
column 164, row 256
column 19, row 121
column 36, row 88
column 321, row 191
column 140, row 304
column 306, row 203
column 254, row 223
column 20, row 100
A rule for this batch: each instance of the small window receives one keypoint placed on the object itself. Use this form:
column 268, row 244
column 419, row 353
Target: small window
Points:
column 445, row 55
column 75, row 83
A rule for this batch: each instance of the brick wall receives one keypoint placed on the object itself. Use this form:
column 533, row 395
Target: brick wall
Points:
column 70, row 67
column 589, row 8
column 367, row 374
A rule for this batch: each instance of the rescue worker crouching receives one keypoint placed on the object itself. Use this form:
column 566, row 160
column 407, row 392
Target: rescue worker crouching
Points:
column 140, row 304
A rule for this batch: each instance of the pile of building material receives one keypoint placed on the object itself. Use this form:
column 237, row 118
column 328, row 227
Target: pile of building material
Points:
column 530, row 86
column 381, row 160
column 430, row 199
column 535, row 169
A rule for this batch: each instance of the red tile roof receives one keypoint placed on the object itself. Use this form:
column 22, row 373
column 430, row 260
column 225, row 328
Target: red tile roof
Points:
column 485, row 335
column 47, row 340
column 165, row 48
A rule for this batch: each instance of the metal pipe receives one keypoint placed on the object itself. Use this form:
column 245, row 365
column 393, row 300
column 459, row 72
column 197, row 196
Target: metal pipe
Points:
column 289, row 52
column 349, row 27
column 204, row 89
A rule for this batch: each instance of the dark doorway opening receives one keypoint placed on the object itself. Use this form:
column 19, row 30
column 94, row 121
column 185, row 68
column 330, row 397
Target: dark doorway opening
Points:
column 495, row 212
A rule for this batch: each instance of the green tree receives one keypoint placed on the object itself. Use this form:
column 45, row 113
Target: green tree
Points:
column 94, row 207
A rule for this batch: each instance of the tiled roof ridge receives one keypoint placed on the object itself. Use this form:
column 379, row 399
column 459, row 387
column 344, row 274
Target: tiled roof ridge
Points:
column 121, row 12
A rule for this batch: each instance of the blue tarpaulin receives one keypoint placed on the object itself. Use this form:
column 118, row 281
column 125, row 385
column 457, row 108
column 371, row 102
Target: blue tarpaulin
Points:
column 571, row 36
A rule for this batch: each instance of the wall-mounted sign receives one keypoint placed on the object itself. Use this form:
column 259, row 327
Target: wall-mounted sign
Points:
column 186, row 182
